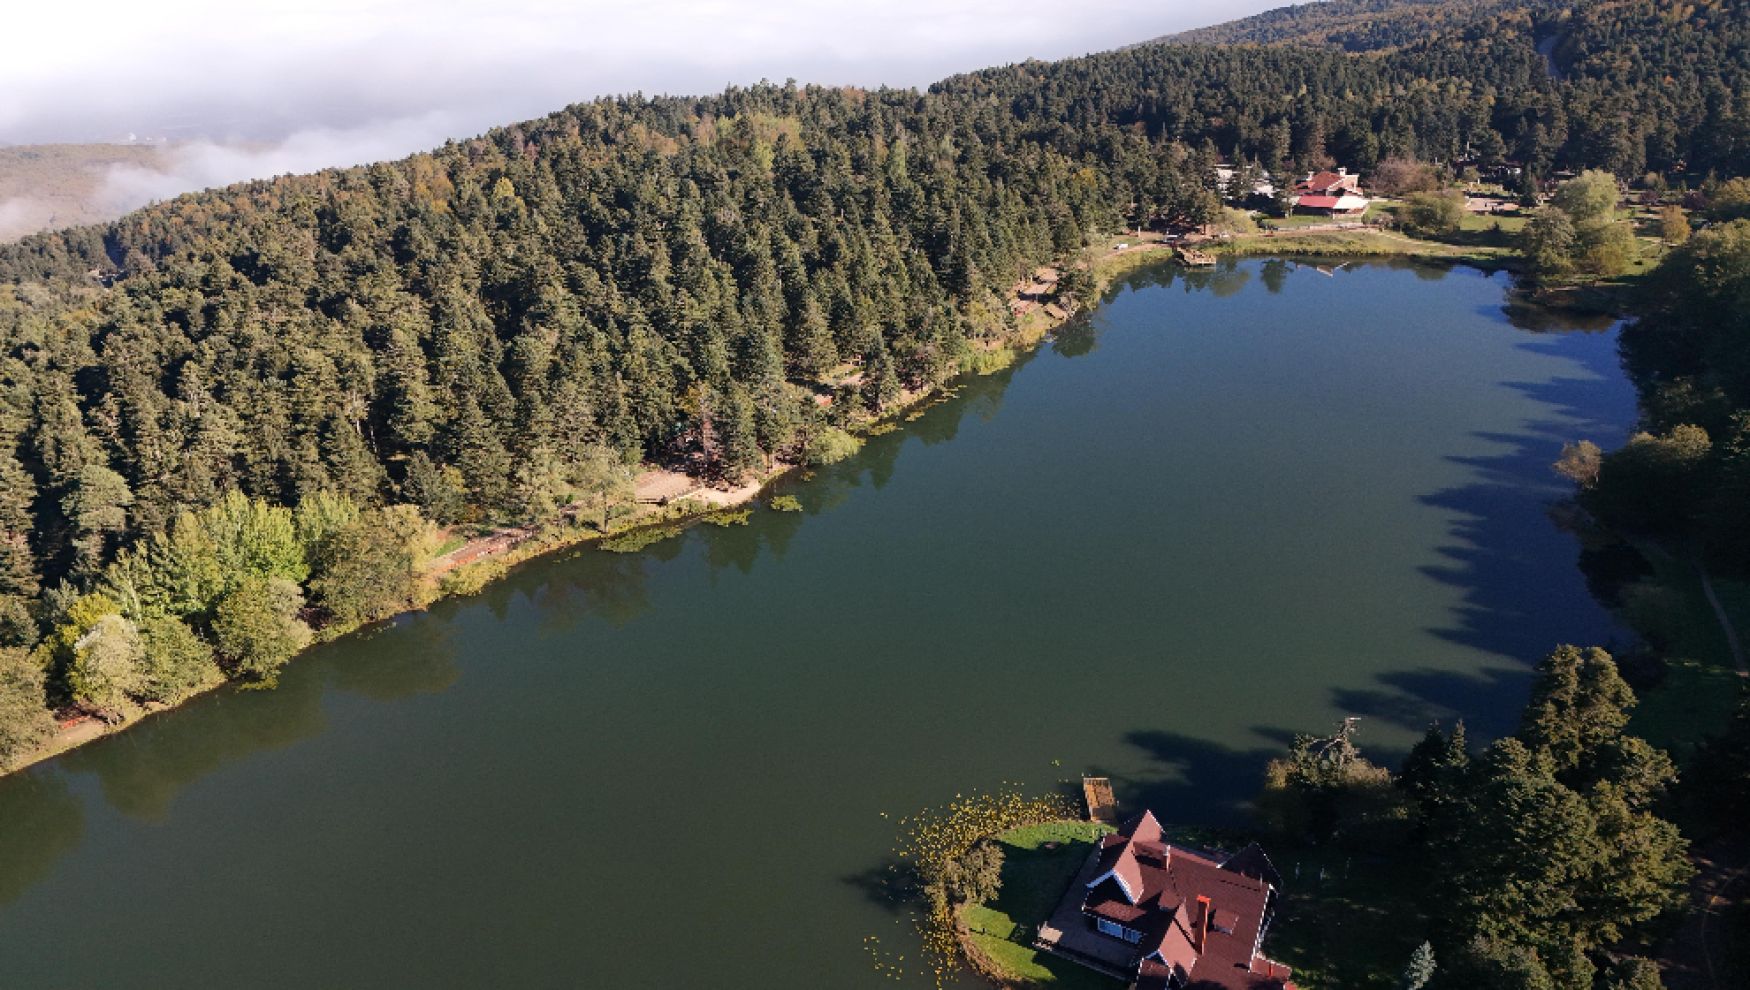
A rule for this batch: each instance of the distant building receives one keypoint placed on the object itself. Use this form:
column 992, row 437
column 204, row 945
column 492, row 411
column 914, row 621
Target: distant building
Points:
column 1335, row 194
column 1262, row 186
column 1193, row 922
column 1335, row 183
column 1347, row 205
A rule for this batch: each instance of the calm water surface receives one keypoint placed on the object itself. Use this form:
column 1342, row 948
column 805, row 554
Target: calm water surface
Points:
column 1229, row 507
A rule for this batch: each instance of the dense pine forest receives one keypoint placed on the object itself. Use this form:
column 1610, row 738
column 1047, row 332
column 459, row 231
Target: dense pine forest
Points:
column 234, row 418
column 504, row 323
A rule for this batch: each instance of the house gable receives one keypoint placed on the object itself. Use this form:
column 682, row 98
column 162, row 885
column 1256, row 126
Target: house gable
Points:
column 1193, row 920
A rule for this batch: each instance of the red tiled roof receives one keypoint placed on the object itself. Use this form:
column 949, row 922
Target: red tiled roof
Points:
column 1170, row 886
column 1319, row 202
column 1327, row 180
column 1252, row 862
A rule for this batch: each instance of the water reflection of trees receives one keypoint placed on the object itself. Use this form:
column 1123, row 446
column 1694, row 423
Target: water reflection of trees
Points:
column 412, row 657
column 612, row 586
column 43, row 820
column 143, row 769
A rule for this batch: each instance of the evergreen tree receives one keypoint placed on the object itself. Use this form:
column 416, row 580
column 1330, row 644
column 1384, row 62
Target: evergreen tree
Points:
column 1419, row 970
column 24, row 723
column 257, row 628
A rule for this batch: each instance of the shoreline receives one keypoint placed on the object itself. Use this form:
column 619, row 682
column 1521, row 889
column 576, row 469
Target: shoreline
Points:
column 510, row 547
column 517, row 545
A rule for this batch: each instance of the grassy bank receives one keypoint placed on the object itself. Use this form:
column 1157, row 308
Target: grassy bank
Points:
column 1341, row 922
column 566, row 530
column 1039, row 861
column 1345, row 921
column 1361, row 244
column 1700, row 685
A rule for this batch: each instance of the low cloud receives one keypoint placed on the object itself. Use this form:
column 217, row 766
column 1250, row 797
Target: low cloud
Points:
column 205, row 164
column 243, row 91
column 216, row 69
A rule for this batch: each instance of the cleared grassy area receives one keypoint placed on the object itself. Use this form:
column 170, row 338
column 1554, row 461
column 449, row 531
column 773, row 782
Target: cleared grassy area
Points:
column 1359, row 244
column 1507, row 223
column 456, row 542
column 1023, row 967
column 1295, row 220
column 1039, row 861
column 1346, row 921
column 1701, row 685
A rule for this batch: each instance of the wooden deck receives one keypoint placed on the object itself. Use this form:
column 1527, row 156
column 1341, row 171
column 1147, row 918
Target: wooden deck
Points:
column 1194, row 257
column 1067, row 932
column 1102, row 807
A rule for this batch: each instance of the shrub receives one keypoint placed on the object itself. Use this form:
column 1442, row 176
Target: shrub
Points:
column 25, row 725
column 177, row 662
column 1403, row 176
column 258, row 629
column 1430, row 213
column 830, row 446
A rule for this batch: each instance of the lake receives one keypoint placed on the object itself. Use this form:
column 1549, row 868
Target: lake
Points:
column 1229, row 506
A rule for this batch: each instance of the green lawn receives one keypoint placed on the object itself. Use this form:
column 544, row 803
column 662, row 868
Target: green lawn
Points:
column 455, row 542
column 1357, row 244
column 1294, row 220
column 1701, row 685
column 1346, row 921
column 1509, row 223
column 1039, row 861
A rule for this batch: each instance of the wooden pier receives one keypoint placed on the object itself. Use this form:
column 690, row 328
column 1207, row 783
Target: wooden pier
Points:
column 1102, row 807
column 1192, row 256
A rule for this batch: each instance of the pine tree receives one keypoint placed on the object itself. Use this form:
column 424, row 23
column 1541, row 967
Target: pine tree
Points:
column 1419, row 970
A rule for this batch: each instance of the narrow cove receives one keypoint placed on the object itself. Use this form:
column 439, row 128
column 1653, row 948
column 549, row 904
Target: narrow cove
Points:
column 1226, row 507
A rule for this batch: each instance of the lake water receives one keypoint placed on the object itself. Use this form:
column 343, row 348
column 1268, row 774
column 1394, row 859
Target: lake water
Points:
column 1230, row 506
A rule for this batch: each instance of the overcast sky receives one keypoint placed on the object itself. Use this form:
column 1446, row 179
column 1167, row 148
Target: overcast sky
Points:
column 312, row 83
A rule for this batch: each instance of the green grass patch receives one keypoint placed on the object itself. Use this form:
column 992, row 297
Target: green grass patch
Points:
column 1359, row 244
column 1039, row 861
column 1507, row 223
column 729, row 517
column 986, row 361
column 454, row 543
column 1292, row 221
column 638, row 539
column 1021, row 966
column 1701, row 685
column 1346, row 921
column 1694, row 700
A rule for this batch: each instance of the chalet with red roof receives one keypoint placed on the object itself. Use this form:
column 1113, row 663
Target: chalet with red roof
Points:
column 1336, row 194
column 1329, row 184
column 1192, row 923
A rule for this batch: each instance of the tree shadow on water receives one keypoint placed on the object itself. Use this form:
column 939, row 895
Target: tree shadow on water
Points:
column 42, row 821
column 1202, row 782
column 1516, row 568
column 887, row 884
column 1412, row 700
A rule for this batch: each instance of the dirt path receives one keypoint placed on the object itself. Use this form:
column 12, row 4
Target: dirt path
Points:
column 1731, row 631
column 1695, row 958
column 653, row 488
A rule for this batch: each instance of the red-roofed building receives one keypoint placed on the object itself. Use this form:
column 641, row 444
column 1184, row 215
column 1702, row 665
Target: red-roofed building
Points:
column 1336, row 206
column 1336, row 193
column 1329, row 184
column 1195, row 923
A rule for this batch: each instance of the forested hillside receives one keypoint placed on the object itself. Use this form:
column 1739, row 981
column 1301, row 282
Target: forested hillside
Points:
column 1655, row 82
column 1351, row 25
column 487, row 329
